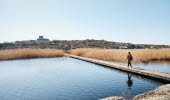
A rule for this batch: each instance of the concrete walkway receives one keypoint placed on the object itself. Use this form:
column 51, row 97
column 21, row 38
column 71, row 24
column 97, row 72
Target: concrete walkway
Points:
column 159, row 76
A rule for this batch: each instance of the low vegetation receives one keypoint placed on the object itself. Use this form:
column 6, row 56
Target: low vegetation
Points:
column 29, row 53
column 139, row 55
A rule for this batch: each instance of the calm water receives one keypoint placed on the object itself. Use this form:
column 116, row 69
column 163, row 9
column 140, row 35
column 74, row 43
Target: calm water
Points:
column 160, row 66
column 65, row 79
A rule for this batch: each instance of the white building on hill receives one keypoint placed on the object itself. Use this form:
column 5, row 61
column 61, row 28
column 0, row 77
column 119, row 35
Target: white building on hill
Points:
column 42, row 39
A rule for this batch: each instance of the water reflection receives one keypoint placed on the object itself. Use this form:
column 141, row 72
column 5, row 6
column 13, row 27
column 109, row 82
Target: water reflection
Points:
column 129, row 81
column 156, row 65
column 159, row 62
column 129, row 85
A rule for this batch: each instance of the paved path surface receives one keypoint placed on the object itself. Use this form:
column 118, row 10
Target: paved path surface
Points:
column 159, row 76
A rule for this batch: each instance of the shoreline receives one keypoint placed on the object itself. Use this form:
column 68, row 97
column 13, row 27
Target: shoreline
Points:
column 160, row 93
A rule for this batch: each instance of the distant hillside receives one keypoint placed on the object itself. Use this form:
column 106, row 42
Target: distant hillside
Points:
column 95, row 44
column 73, row 44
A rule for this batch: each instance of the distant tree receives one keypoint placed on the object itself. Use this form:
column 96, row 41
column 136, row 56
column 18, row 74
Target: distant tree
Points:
column 1, row 45
column 55, row 41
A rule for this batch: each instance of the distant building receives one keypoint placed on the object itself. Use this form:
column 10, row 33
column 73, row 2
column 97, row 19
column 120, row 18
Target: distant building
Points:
column 42, row 39
column 32, row 41
column 130, row 47
column 123, row 47
column 22, row 42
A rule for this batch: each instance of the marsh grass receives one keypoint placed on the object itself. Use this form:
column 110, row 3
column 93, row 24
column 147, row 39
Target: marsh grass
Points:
column 29, row 53
column 139, row 55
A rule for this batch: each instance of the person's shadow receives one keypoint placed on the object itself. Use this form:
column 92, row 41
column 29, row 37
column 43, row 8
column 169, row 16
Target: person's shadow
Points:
column 129, row 81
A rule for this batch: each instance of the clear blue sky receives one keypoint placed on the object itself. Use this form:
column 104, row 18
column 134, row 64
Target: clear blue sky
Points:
column 134, row 21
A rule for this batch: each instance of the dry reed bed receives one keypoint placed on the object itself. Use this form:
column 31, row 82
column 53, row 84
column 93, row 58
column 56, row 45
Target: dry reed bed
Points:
column 121, row 54
column 29, row 53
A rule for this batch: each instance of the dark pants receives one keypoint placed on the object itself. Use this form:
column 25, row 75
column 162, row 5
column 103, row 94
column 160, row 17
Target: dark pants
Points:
column 129, row 63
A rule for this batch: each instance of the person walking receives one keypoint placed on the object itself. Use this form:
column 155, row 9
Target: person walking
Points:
column 129, row 58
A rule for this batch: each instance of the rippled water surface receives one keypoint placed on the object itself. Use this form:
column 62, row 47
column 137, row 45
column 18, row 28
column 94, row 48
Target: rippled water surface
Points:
column 66, row 79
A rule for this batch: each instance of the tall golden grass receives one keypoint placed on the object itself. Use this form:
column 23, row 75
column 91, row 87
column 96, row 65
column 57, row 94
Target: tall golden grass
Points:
column 29, row 53
column 121, row 54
